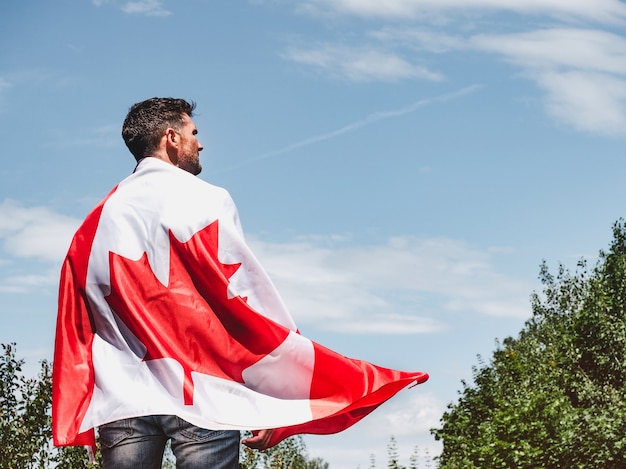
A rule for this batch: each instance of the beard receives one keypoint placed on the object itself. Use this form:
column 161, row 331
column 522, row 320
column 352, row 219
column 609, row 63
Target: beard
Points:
column 190, row 163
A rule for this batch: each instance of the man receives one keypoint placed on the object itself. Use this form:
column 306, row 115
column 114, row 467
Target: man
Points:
column 169, row 328
column 162, row 129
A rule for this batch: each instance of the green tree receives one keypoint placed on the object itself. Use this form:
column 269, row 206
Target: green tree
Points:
column 414, row 459
column 392, row 454
column 26, row 429
column 288, row 454
column 555, row 396
column 24, row 423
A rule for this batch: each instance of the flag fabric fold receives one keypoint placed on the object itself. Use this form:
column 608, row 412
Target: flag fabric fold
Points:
column 163, row 309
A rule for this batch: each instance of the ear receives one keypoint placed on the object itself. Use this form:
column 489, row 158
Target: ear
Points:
column 172, row 140
column 169, row 145
column 171, row 137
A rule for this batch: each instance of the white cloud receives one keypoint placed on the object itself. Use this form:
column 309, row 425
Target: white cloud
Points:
column 139, row 7
column 146, row 7
column 587, row 101
column 559, row 48
column 422, row 39
column 35, row 232
column 408, row 417
column 361, row 64
column 4, row 84
column 582, row 72
column 608, row 11
column 395, row 288
column 413, row 413
column 399, row 287
column 26, row 283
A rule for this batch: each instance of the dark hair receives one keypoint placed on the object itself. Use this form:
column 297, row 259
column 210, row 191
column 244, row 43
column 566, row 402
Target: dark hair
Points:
column 146, row 121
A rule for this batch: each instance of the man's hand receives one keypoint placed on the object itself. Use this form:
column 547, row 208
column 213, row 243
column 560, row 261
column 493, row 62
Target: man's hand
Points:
column 259, row 440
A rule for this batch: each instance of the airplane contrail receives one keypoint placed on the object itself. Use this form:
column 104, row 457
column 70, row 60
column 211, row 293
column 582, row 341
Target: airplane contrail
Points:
column 369, row 119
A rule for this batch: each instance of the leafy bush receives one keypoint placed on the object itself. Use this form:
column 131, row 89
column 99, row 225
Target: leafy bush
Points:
column 555, row 396
column 26, row 429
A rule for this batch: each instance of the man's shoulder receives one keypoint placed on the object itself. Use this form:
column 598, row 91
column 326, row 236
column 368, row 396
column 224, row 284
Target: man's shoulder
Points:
column 160, row 191
column 168, row 178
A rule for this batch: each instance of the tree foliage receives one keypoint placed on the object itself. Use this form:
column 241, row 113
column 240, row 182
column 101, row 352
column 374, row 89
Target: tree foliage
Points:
column 555, row 396
column 24, row 424
column 288, row 454
column 26, row 429
column 393, row 457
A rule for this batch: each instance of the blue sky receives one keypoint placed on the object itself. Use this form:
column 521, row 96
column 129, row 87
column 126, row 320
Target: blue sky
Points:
column 401, row 168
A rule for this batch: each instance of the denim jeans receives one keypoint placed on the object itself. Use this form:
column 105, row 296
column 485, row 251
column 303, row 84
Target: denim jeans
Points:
column 139, row 443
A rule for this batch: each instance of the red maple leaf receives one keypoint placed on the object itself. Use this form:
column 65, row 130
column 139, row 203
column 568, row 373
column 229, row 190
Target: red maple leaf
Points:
column 191, row 319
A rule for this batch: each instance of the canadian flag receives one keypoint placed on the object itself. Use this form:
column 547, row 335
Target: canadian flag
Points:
column 163, row 309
